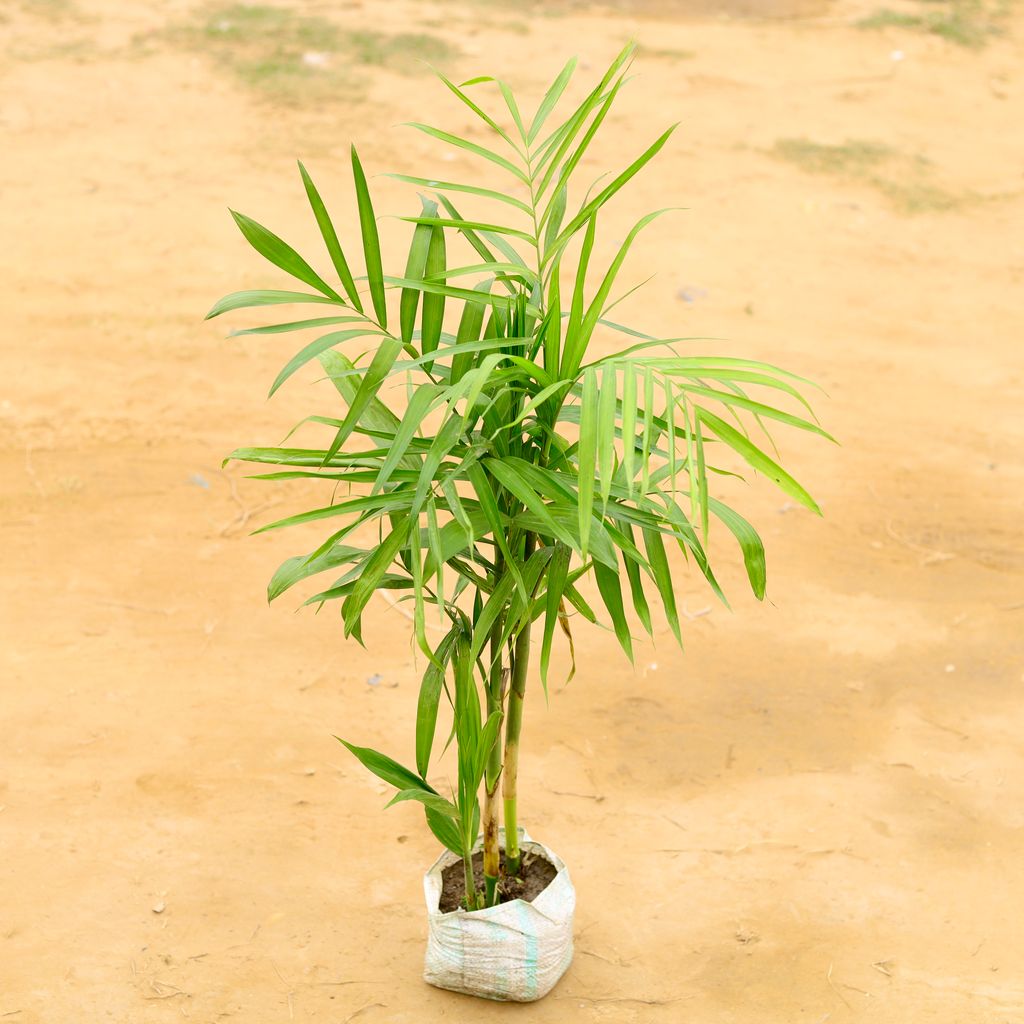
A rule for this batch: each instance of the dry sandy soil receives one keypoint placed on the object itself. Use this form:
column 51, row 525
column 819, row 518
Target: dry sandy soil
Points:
column 814, row 814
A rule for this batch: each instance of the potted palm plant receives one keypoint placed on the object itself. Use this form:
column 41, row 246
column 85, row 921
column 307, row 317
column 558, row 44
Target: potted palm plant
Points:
column 519, row 467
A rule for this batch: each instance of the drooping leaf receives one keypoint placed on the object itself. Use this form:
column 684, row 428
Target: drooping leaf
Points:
column 387, row 768
column 611, row 593
column 658, row 561
column 758, row 459
column 438, row 804
column 587, row 456
column 750, row 544
column 558, row 571
column 300, row 567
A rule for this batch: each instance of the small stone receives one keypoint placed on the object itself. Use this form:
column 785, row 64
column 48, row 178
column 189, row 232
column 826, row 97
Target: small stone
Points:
column 159, row 908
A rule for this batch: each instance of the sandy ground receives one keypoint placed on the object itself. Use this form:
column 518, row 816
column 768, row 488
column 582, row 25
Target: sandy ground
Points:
column 814, row 814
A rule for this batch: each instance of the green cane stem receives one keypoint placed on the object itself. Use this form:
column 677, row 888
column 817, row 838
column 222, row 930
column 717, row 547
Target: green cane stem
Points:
column 492, row 774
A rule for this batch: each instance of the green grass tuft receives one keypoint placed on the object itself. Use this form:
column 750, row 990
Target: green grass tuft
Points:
column 407, row 52
column 666, row 53
column 919, row 196
column 968, row 23
column 901, row 178
column 852, row 157
column 300, row 59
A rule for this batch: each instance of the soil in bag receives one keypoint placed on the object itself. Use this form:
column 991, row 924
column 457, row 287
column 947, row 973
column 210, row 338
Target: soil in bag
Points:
column 534, row 877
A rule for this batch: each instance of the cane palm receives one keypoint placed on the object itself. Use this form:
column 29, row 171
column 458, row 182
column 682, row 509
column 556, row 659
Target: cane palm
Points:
column 544, row 463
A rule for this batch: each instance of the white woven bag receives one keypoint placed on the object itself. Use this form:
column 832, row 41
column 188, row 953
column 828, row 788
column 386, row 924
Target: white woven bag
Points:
column 515, row 951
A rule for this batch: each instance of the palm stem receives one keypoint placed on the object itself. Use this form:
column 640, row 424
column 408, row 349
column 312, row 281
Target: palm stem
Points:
column 513, row 728
column 492, row 774
column 467, row 867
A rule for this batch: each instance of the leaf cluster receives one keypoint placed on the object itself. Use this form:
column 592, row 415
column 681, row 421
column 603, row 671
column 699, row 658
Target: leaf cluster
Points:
column 521, row 461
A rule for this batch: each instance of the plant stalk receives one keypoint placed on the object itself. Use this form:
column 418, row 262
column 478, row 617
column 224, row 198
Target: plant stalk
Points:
column 492, row 774
column 467, row 867
column 513, row 727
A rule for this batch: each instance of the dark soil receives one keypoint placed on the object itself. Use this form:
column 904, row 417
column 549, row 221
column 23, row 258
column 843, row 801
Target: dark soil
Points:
column 534, row 877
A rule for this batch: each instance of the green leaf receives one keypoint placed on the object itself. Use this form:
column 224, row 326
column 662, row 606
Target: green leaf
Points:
column 430, row 695
column 553, row 329
column 472, row 147
column 474, row 239
column 490, row 613
column 611, row 593
column 587, row 456
column 449, row 291
column 330, row 237
column 643, row 612
column 513, row 482
column 282, row 255
column 606, row 430
column 435, row 802
column 387, row 769
column 558, row 571
column 551, row 98
column 554, row 215
column 479, row 111
column 570, row 165
column 378, row 370
column 374, row 503
column 513, row 109
column 597, row 306
column 373, row 569
column 474, row 190
column 414, row 271
column 315, row 348
column 446, row 439
column 558, row 142
column 663, row 578
column 702, row 480
column 628, row 426
column 496, row 270
column 606, row 193
column 758, row 459
column 344, row 587
column 474, row 225
column 489, row 506
column 377, row 416
column 750, row 544
column 423, row 399
column 371, row 241
column 300, row 567
column 299, row 325
column 488, row 737
column 433, row 304
column 266, row 297
column 445, row 831
column 575, row 342
column 470, row 325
